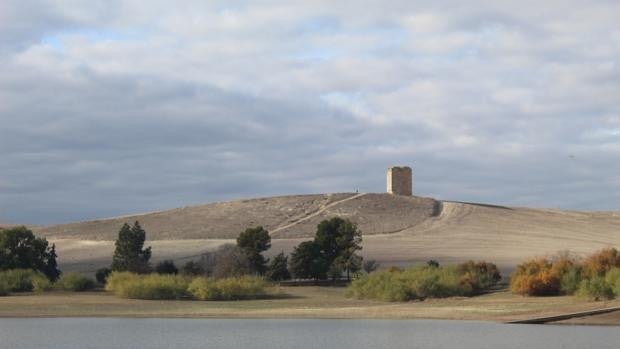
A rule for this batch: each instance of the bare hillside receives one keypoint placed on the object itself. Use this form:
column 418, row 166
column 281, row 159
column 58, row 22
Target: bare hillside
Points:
column 285, row 216
column 397, row 229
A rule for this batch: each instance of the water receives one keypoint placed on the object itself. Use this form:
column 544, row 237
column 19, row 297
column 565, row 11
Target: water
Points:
column 86, row 333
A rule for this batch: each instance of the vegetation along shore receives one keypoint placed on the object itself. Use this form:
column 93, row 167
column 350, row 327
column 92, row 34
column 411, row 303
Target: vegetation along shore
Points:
column 238, row 281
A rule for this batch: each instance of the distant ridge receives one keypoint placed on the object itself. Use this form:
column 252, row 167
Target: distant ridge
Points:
column 296, row 216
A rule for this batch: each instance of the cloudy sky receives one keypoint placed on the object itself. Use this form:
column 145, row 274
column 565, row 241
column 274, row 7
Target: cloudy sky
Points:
column 121, row 106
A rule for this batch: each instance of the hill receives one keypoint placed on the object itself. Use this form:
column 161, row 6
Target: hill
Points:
column 397, row 229
column 284, row 217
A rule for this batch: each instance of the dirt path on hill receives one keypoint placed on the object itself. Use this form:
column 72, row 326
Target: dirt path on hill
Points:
column 317, row 212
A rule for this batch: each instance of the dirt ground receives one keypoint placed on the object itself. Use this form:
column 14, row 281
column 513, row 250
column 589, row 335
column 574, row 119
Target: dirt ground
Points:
column 297, row 302
column 609, row 319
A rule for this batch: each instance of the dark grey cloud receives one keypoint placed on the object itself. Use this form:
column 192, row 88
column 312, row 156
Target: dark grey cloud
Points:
column 110, row 108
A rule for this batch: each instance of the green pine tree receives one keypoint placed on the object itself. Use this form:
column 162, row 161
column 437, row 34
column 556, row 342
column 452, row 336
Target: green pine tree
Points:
column 129, row 254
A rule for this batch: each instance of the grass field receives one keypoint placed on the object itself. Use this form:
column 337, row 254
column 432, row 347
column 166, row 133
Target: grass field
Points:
column 297, row 302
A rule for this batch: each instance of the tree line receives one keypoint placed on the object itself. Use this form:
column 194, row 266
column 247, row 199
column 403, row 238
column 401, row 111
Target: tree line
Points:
column 331, row 254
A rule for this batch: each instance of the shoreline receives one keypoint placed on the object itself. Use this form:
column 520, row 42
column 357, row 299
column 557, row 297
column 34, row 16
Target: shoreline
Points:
column 311, row 302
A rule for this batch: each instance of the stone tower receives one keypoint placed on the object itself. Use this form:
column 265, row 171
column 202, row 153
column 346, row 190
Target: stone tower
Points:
column 399, row 181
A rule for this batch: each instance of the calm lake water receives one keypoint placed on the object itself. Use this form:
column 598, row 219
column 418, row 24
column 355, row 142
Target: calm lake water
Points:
column 85, row 333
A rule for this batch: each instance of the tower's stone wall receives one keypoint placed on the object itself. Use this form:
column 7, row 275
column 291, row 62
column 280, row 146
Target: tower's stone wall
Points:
column 399, row 180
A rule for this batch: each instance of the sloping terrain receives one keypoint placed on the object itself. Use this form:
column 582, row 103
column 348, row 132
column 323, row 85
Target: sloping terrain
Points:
column 505, row 235
column 397, row 229
column 285, row 216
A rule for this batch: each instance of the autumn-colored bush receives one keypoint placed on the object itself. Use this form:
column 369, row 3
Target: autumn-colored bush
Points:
column 566, row 274
column 567, row 267
column 601, row 262
column 535, row 277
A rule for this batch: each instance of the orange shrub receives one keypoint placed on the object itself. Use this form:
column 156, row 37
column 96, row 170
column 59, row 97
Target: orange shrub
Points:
column 600, row 262
column 563, row 262
column 566, row 274
column 535, row 277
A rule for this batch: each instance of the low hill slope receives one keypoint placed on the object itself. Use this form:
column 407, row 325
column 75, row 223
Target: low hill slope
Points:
column 444, row 223
column 508, row 235
column 285, row 216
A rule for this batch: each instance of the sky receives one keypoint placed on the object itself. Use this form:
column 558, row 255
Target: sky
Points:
column 122, row 106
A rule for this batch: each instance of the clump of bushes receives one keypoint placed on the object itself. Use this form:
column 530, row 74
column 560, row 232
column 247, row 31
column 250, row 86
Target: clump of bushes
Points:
column 151, row 286
column 158, row 286
column 595, row 288
column 479, row 275
column 596, row 277
column 601, row 262
column 41, row 284
column 535, row 278
column 245, row 287
column 23, row 280
column 425, row 281
column 27, row 280
column 75, row 282
column 612, row 277
column 116, row 280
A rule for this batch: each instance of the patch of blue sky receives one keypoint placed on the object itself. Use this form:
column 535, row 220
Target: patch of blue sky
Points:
column 52, row 41
column 319, row 25
column 315, row 54
column 392, row 32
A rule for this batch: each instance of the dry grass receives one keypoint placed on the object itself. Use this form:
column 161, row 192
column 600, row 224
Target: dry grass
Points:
column 296, row 302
